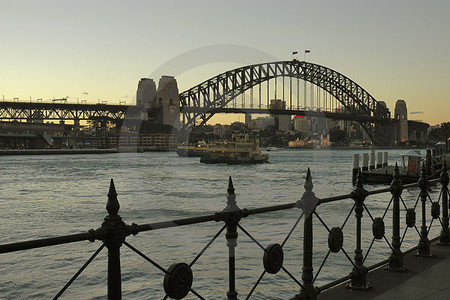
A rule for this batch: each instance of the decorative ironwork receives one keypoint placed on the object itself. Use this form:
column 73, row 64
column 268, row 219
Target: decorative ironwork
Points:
column 378, row 228
column 308, row 204
column 396, row 257
column 359, row 273
column 178, row 280
column 424, row 243
column 444, row 239
column 335, row 239
column 435, row 210
column 410, row 217
column 273, row 258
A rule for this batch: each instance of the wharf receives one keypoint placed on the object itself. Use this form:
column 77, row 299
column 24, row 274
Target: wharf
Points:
column 55, row 151
column 426, row 278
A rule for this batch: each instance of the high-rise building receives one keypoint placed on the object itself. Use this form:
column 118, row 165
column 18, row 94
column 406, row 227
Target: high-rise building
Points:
column 282, row 122
column 302, row 124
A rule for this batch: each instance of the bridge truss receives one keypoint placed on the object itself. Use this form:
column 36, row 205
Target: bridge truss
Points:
column 258, row 84
column 63, row 111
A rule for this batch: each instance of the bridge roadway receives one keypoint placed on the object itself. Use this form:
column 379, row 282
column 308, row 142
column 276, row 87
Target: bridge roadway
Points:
column 426, row 278
column 71, row 111
column 295, row 112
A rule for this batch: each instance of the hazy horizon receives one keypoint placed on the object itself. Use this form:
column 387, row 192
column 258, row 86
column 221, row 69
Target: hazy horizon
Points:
column 98, row 50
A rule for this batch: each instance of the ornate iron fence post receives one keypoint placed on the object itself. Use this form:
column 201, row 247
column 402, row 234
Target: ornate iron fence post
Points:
column 424, row 243
column 396, row 258
column 231, row 215
column 115, row 231
column 444, row 239
column 308, row 204
column 359, row 273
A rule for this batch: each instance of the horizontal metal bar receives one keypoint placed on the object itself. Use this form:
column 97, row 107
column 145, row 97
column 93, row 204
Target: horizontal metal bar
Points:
column 381, row 191
column 335, row 198
column 175, row 223
column 261, row 210
column 66, row 239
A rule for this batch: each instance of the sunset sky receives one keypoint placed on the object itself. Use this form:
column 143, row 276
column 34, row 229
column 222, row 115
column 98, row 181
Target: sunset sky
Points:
column 98, row 50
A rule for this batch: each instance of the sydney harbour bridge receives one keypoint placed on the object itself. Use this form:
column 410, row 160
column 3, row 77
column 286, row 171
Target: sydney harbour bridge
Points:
column 306, row 89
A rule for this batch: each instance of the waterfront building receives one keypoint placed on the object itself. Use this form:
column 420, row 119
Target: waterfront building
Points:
column 302, row 124
column 132, row 141
column 248, row 119
column 221, row 130
column 282, row 122
column 262, row 123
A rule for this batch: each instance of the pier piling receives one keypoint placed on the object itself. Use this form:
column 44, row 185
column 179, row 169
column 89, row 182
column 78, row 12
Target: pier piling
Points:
column 355, row 167
column 379, row 160
column 365, row 162
column 372, row 159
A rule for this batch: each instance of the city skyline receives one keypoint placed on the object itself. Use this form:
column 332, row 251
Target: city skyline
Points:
column 99, row 50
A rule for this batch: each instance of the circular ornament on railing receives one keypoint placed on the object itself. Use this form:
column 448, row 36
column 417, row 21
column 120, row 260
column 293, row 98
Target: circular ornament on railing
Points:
column 410, row 217
column 435, row 210
column 273, row 258
column 178, row 281
column 335, row 239
column 378, row 228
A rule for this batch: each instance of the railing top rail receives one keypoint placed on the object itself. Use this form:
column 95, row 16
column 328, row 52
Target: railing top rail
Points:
column 92, row 235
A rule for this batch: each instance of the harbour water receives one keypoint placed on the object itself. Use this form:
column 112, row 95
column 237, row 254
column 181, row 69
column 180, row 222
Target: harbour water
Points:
column 46, row 196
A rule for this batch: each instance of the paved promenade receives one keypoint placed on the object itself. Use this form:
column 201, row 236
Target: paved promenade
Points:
column 426, row 278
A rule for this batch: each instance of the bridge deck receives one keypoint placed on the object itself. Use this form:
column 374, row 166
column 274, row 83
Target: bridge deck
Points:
column 426, row 278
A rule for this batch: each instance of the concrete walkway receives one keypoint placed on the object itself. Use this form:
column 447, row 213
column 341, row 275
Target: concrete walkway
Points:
column 426, row 278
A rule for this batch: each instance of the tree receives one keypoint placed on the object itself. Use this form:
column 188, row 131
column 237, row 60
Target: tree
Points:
column 442, row 133
column 338, row 136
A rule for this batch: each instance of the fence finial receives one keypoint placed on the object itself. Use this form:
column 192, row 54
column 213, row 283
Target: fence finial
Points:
column 231, row 197
column 230, row 189
column 308, row 182
column 309, row 201
column 112, row 205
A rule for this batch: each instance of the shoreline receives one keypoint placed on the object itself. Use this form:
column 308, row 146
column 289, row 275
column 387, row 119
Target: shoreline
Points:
column 55, row 151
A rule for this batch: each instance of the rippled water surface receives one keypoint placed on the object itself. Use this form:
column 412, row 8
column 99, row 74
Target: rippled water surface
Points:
column 46, row 196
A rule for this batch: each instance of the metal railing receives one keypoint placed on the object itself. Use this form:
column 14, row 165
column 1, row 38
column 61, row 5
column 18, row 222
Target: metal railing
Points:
column 178, row 278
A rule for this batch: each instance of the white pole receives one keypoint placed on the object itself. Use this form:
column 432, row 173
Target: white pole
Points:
column 379, row 160
column 385, row 159
column 365, row 162
column 355, row 167
column 372, row 158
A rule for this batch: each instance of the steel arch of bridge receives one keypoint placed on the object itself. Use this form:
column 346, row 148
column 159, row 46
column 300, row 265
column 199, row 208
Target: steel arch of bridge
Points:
column 200, row 102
